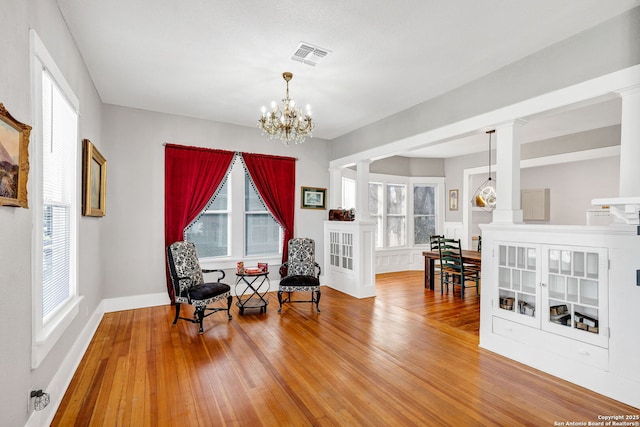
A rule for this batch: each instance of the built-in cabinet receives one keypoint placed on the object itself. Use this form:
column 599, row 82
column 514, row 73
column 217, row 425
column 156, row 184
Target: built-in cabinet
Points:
column 554, row 288
column 349, row 250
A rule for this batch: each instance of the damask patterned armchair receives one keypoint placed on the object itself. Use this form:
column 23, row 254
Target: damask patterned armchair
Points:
column 300, row 273
column 189, row 285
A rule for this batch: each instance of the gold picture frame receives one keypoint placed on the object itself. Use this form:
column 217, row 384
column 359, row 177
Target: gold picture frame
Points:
column 14, row 160
column 313, row 198
column 453, row 200
column 94, row 180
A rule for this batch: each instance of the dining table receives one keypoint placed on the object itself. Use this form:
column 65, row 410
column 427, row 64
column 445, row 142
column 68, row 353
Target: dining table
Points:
column 430, row 258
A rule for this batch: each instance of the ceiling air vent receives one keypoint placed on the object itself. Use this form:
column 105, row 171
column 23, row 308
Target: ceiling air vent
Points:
column 309, row 54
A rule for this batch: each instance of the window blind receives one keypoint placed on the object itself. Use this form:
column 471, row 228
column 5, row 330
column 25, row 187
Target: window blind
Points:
column 58, row 187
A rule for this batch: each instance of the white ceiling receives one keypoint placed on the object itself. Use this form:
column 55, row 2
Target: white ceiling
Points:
column 223, row 60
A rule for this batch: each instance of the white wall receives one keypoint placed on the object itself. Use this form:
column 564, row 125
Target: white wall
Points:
column 574, row 185
column 596, row 178
column 133, row 243
column 17, row 17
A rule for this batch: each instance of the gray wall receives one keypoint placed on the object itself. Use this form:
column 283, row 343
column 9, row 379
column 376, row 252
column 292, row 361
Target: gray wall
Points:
column 134, row 225
column 17, row 17
column 408, row 166
column 572, row 185
column 603, row 49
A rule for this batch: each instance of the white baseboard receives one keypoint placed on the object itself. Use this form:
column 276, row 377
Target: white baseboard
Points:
column 135, row 301
column 63, row 376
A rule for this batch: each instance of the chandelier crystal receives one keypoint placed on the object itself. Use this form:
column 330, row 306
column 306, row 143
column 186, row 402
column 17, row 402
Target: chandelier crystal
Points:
column 287, row 122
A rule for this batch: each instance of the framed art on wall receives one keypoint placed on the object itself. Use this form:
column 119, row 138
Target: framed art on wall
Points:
column 453, row 200
column 14, row 160
column 313, row 198
column 94, row 180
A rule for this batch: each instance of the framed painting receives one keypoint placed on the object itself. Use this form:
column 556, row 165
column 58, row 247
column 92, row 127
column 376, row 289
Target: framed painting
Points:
column 313, row 198
column 453, row 200
column 14, row 160
column 94, row 180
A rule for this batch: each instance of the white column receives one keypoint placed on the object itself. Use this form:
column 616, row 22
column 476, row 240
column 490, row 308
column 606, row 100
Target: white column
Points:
column 335, row 188
column 508, row 173
column 362, row 190
column 630, row 143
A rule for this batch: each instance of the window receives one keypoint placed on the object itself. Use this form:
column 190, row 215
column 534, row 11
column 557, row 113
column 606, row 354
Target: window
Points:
column 398, row 212
column 236, row 202
column 210, row 231
column 59, row 136
column 424, row 213
column 375, row 210
column 55, row 202
column 396, row 215
column 263, row 235
column 348, row 193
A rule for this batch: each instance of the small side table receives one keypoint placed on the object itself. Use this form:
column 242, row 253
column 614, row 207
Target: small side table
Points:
column 255, row 283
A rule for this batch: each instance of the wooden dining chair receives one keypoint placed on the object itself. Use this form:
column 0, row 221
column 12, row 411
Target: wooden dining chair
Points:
column 453, row 271
column 434, row 244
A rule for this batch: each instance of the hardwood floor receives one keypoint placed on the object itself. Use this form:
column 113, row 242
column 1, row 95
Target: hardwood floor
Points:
column 407, row 357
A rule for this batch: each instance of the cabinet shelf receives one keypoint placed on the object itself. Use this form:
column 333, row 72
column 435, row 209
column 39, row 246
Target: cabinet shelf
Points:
column 572, row 300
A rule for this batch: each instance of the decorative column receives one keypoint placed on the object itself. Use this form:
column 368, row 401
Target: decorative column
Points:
column 362, row 190
column 630, row 143
column 626, row 207
column 508, row 173
column 349, row 246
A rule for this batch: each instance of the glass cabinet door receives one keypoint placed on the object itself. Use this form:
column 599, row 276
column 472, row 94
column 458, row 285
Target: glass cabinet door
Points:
column 518, row 271
column 574, row 283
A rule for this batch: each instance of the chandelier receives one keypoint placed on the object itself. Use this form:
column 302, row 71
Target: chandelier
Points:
column 485, row 195
column 287, row 122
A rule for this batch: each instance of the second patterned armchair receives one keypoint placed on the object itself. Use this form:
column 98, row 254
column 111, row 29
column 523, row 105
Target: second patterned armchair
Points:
column 300, row 273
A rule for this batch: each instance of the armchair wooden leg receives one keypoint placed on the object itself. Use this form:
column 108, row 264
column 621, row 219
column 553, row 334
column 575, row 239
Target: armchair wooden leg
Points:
column 177, row 313
column 317, row 300
column 200, row 314
column 280, row 301
column 229, row 300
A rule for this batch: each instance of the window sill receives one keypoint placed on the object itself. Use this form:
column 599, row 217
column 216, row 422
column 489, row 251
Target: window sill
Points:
column 52, row 331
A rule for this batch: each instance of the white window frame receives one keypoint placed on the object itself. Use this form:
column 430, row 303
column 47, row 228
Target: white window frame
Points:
column 438, row 205
column 348, row 193
column 387, row 215
column 379, row 218
column 236, row 233
column 227, row 211
column 409, row 182
column 46, row 332
column 247, row 214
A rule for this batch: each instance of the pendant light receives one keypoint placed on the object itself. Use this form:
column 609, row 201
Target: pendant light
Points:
column 485, row 195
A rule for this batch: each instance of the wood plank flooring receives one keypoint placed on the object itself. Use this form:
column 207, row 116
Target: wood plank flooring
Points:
column 407, row 357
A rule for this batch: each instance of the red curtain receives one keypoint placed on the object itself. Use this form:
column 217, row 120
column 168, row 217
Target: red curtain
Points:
column 191, row 176
column 275, row 179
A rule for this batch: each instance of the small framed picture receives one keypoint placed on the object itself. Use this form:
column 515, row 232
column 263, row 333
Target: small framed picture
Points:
column 94, row 174
column 313, row 198
column 14, row 160
column 453, row 200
